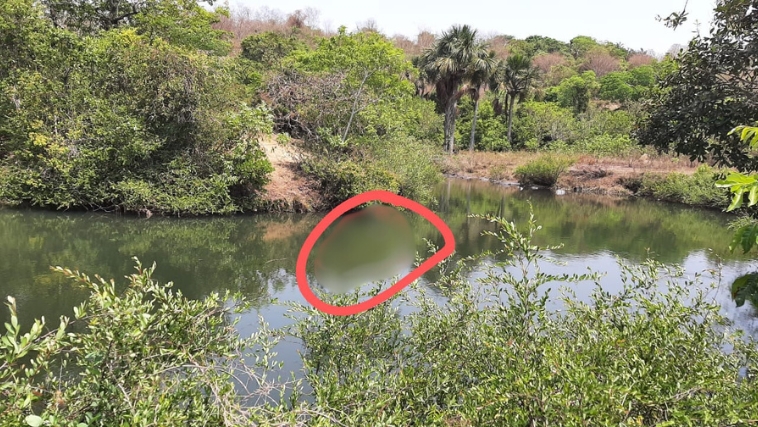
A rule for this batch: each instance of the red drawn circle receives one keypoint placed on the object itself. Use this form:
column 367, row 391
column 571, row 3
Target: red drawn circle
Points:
column 336, row 213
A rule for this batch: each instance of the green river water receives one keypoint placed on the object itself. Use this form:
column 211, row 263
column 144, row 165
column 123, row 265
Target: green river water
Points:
column 256, row 254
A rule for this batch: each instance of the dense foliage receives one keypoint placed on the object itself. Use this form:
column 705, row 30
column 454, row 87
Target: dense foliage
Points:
column 711, row 91
column 121, row 119
column 159, row 106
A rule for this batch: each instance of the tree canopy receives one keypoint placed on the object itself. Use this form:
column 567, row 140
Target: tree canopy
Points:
column 712, row 90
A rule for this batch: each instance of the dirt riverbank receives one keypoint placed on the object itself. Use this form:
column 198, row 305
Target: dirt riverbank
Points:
column 589, row 174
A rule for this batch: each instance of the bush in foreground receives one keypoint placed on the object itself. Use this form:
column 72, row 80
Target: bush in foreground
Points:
column 494, row 352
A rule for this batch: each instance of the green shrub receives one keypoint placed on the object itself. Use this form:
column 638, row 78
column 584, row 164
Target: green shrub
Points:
column 341, row 180
column 495, row 353
column 400, row 165
column 415, row 164
column 544, row 122
column 544, row 170
column 697, row 189
column 144, row 356
column 498, row 345
column 140, row 116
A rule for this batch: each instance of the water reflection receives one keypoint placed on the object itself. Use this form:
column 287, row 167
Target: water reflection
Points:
column 257, row 254
column 371, row 245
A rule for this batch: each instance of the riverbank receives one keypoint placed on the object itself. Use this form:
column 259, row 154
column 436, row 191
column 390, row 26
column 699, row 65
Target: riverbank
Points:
column 288, row 189
column 660, row 177
column 588, row 174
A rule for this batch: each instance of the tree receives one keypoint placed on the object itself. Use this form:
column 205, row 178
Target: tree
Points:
column 624, row 86
column 326, row 92
column 576, row 91
column 580, row 45
column 269, row 47
column 616, row 87
column 183, row 23
column 540, row 44
column 512, row 80
column 600, row 61
column 479, row 79
column 450, row 62
column 711, row 91
column 119, row 121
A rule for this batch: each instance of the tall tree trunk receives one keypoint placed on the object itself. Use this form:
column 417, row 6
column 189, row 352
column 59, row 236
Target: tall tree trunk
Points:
column 450, row 124
column 473, row 125
column 511, row 103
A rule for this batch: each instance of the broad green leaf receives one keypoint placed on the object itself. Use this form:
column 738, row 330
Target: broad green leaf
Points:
column 745, row 288
column 736, row 201
column 753, row 196
column 33, row 420
column 745, row 237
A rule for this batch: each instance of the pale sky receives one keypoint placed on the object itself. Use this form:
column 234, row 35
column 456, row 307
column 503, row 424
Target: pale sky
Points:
column 631, row 23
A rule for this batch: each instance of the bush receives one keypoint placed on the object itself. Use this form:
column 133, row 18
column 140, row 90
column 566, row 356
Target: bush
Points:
column 698, row 189
column 402, row 166
column 494, row 353
column 415, row 164
column 140, row 116
column 544, row 122
column 146, row 356
column 545, row 170
column 341, row 180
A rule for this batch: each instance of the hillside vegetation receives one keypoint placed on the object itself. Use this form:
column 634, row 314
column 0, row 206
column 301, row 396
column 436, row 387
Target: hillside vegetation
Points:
column 161, row 109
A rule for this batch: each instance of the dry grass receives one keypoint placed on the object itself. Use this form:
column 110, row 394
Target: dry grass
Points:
column 590, row 173
column 489, row 165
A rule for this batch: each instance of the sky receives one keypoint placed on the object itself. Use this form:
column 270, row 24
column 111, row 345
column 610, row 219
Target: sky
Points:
column 631, row 23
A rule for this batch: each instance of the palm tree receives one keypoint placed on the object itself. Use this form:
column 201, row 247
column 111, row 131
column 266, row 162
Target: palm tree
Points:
column 422, row 82
column 512, row 80
column 478, row 83
column 449, row 63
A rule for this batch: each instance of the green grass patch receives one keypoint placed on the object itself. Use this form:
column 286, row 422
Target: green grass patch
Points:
column 697, row 189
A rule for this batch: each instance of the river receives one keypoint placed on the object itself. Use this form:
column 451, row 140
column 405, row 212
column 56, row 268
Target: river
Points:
column 256, row 254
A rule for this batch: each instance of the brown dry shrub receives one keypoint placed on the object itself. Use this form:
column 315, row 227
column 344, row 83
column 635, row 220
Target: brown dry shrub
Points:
column 639, row 59
column 547, row 61
column 600, row 61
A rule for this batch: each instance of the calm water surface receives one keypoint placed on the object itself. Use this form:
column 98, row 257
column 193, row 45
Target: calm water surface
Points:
column 256, row 254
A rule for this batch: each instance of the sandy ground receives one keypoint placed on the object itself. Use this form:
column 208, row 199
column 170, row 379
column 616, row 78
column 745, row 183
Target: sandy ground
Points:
column 288, row 190
column 588, row 174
